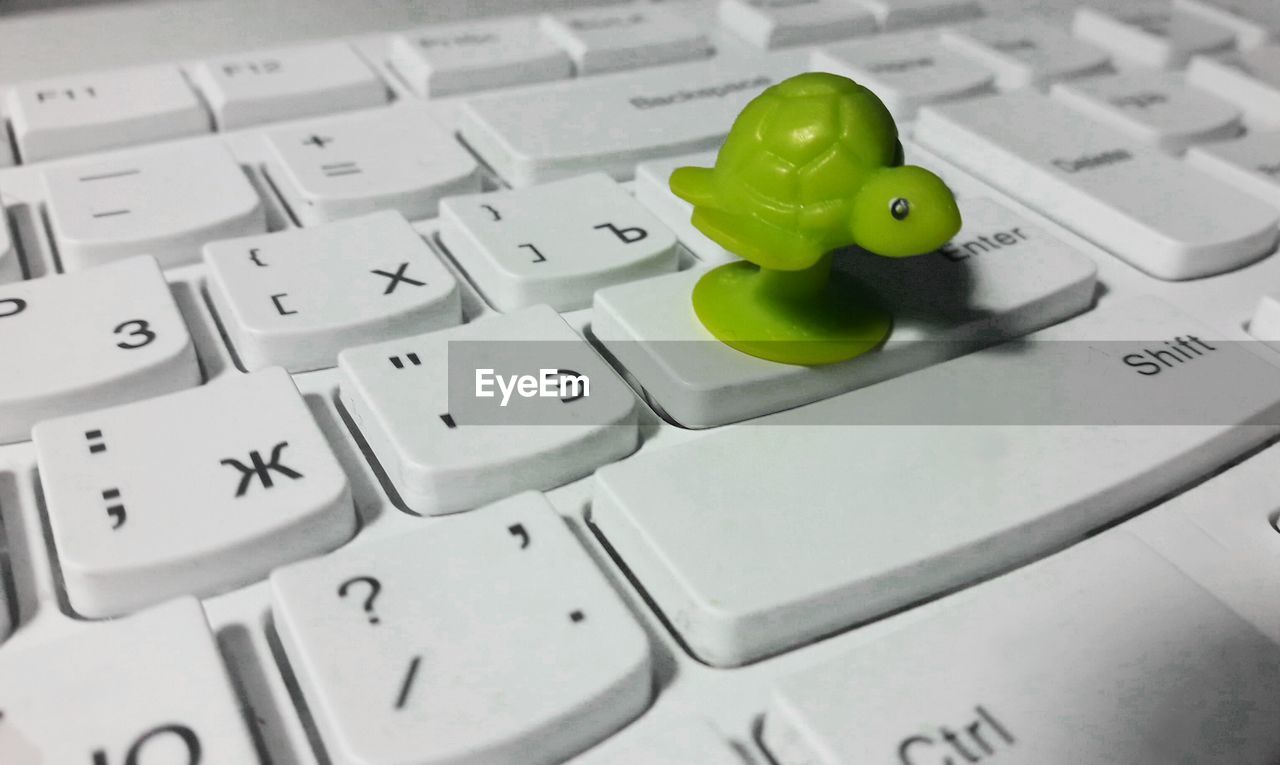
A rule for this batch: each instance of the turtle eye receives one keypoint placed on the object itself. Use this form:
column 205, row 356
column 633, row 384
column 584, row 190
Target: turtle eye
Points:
column 899, row 208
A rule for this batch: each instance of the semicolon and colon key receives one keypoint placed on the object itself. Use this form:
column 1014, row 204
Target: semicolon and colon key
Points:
column 555, row 243
column 298, row 297
column 87, row 340
column 145, row 201
column 420, row 674
column 1096, row 181
column 363, row 163
column 453, row 426
column 160, row 498
column 929, row 457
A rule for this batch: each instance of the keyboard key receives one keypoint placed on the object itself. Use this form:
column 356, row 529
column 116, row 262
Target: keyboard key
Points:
column 144, row 201
column 610, row 39
column 1153, row 107
column 565, row 130
column 899, row 14
column 192, row 493
column 1254, row 22
column 779, row 23
column 10, row 268
column 1265, row 324
column 1001, row 277
column 361, row 164
column 477, row 55
column 103, row 110
column 959, row 471
column 654, row 192
column 1050, row 663
column 289, row 83
column 525, row 654
column 84, row 341
column 1250, row 80
column 1152, row 33
column 445, row 448
column 1251, row 164
column 297, row 297
column 65, row 700
column 1098, row 182
column 555, row 244
column 688, row 742
column 1025, row 52
column 906, row 70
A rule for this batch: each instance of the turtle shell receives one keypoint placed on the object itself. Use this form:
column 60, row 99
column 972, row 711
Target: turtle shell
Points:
column 799, row 152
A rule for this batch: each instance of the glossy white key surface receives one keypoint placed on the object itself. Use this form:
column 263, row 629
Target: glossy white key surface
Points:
column 288, row 83
column 1251, row 163
column 1265, row 324
column 447, row 449
column 898, row 14
column 1151, row 32
column 163, row 201
column 149, row 688
column 1098, row 182
column 906, row 70
column 1153, row 107
column 610, row 39
column 366, row 163
column 779, row 23
column 931, row 480
column 1002, row 276
column 556, row 243
column 1025, row 52
column 490, row 638
column 1102, row 653
column 1254, row 22
column 191, row 493
column 298, row 297
column 85, row 341
column 1251, row 80
column 102, row 110
column 688, row 742
column 10, row 268
column 477, row 55
column 611, row 124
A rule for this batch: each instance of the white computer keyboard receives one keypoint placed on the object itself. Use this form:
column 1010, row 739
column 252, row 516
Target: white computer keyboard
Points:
column 242, row 520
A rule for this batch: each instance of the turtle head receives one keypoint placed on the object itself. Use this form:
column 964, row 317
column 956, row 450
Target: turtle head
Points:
column 903, row 211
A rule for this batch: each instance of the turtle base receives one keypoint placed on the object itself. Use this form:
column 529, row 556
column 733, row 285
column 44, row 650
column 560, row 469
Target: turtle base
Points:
column 807, row 317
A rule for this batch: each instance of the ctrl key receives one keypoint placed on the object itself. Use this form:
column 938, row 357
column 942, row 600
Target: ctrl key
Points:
column 1103, row 653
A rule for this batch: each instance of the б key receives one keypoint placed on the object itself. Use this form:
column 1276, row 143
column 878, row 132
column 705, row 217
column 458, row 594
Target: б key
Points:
column 297, row 297
column 192, row 493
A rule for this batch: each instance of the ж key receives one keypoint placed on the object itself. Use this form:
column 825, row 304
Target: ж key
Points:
column 929, row 481
column 1167, row 219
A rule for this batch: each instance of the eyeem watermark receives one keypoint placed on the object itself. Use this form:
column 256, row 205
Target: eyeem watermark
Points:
column 563, row 384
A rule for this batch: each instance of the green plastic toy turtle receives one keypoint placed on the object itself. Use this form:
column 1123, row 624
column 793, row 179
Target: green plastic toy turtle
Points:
column 811, row 165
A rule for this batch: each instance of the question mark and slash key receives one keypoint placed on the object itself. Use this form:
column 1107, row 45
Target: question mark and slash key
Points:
column 374, row 588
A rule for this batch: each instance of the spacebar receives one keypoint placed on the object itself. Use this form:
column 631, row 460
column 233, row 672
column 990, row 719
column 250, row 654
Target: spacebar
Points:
column 773, row 533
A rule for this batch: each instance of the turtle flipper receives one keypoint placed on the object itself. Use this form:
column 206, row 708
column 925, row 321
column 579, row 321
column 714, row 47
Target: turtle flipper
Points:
column 766, row 246
column 694, row 185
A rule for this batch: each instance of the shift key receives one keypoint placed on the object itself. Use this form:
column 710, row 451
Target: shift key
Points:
column 610, row 123
column 1166, row 218
column 1102, row 654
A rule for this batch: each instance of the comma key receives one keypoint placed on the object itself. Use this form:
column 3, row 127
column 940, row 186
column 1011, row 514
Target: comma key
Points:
column 1046, row 664
column 88, row 340
column 192, row 493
